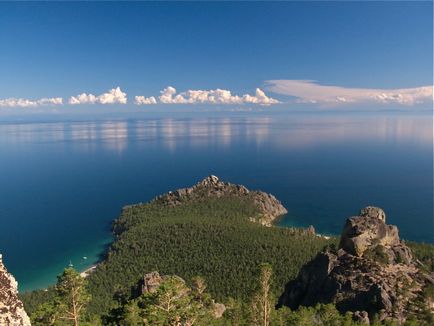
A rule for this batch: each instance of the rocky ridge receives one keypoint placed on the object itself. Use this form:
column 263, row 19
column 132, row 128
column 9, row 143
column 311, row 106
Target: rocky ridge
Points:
column 372, row 273
column 11, row 308
column 269, row 207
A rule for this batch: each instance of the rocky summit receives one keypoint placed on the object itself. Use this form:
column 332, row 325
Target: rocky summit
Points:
column 371, row 274
column 369, row 231
column 269, row 207
column 11, row 308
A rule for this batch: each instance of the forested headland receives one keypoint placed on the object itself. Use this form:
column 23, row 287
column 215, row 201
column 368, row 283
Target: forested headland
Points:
column 214, row 237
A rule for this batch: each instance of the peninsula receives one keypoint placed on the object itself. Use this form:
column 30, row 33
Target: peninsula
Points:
column 218, row 239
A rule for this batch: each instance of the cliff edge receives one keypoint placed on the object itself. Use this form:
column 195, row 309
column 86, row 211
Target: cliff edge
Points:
column 11, row 308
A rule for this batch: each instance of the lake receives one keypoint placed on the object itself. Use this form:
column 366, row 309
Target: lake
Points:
column 63, row 182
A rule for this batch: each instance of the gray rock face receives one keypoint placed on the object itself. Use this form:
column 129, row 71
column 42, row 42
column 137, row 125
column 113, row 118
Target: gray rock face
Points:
column 218, row 310
column 151, row 282
column 11, row 308
column 269, row 207
column 362, row 317
column 367, row 230
column 375, row 212
column 372, row 272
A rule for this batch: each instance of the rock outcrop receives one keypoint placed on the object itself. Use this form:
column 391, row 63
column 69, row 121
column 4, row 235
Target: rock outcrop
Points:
column 269, row 208
column 371, row 273
column 152, row 281
column 11, row 308
column 370, row 232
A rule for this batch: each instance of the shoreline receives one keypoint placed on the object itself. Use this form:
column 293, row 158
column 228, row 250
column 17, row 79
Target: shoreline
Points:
column 108, row 241
column 47, row 276
column 88, row 270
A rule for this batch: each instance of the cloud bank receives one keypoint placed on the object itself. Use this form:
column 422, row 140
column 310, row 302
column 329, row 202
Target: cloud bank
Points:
column 25, row 103
column 113, row 96
column 169, row 95
column 308, row 91
column 304, row 91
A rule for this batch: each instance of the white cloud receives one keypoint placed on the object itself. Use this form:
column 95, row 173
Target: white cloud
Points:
column 141, row 100
column 82, row 99
column 308, row 91
column 113, row 96
column 216, row 96
column 167, row 95
column 259, row 98
column 24, row 103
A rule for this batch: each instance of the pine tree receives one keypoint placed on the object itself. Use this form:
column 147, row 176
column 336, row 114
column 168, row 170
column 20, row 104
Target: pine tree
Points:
column 235, row 313
column 72, row 295
column 262, row 301
column 45, row 315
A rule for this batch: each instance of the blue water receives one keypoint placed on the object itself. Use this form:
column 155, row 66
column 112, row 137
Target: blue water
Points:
column 62, row 183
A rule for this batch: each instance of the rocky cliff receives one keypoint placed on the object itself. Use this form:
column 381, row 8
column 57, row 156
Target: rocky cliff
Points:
column 372, row 273
column 269, row 208
column 11, row 308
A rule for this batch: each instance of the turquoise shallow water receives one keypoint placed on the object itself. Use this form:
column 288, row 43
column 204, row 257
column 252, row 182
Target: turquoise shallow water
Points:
column 62, row 183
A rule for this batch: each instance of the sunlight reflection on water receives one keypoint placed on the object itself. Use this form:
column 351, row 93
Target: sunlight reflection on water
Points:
column 64, row 182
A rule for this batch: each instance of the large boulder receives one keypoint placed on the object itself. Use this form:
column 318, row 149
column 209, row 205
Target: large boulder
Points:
column 371, row 273
column 151, row 282
column 369, row 235
column 367, row 230
column 11, row 308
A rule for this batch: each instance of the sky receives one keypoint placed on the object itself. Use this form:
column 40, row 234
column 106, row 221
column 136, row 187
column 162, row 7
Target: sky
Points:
column 265, row 55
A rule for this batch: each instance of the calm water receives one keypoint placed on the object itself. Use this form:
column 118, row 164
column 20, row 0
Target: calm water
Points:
column 62, row 183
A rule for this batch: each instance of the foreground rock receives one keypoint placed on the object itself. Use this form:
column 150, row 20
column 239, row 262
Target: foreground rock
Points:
column 372, row 273
column 269, row 208
column 11, row 308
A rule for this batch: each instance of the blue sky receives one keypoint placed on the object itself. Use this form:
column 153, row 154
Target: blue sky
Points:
column 59, row 50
